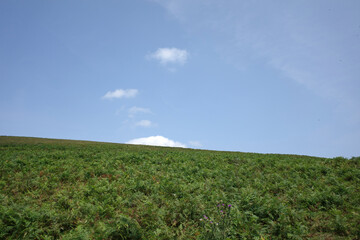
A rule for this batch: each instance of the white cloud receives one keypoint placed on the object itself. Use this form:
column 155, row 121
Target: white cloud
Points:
column 121, row 93
column 195, row 144
column 156, row 141
column 144, row 123
column 135, row 110
column 170, row 55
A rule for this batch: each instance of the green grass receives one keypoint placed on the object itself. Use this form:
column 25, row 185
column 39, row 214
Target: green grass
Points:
column 61, row 189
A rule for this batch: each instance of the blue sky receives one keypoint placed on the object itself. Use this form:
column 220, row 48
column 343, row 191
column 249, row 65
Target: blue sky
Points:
column 250, row 76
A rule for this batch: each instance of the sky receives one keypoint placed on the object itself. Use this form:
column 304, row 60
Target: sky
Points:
column 249, row 76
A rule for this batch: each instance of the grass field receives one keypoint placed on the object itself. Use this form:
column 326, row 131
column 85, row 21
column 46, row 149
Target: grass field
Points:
column 61, row 189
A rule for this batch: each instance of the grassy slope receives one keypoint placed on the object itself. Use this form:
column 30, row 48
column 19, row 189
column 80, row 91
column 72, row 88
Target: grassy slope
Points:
column 51, row 189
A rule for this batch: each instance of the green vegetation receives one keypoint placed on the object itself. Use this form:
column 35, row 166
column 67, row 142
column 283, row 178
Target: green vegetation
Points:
column 59, row 189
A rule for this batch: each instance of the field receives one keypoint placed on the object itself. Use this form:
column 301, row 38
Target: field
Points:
column 61, row 189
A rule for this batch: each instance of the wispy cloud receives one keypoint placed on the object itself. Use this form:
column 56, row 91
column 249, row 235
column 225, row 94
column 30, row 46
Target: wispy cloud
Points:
column 121, row 93
column 157, row 141
column 136, row 110
column 144, row 123
column 170, row 55
column 317, row 47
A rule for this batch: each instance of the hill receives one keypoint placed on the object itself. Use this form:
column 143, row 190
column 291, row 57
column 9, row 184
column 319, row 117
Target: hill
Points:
column 64, row 189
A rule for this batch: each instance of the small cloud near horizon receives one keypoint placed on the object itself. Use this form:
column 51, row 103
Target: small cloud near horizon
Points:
column 170, row 55
column 195, row 144
column 121, row 93
column 156, row 141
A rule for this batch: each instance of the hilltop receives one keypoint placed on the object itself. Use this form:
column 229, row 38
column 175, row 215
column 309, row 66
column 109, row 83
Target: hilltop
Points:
column 66, row 189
